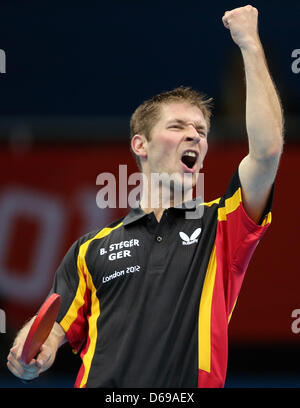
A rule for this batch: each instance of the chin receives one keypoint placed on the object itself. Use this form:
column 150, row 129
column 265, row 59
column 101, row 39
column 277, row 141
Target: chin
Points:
column 185, row 182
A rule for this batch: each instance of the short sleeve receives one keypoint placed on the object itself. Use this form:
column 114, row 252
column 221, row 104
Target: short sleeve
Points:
column 237, row 237
column 70, row 283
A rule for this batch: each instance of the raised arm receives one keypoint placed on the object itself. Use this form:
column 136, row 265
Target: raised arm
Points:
column 264, row 118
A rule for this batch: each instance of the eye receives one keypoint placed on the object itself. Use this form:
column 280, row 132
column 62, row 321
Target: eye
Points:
column 175, row 127
column 201, row 133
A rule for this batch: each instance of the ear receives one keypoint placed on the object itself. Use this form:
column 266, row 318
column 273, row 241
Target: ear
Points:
column 139, row 145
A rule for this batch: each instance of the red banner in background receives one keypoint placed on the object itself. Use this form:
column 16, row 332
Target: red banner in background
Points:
column 48, row 199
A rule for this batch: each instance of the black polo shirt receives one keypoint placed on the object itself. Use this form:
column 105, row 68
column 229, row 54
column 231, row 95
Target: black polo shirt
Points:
column 131, row 295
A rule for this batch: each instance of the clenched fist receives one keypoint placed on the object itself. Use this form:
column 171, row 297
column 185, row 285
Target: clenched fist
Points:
column 242, row 23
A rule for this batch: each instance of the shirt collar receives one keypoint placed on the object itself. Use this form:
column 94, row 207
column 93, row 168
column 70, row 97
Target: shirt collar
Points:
column 137, row 213
column 190, row 205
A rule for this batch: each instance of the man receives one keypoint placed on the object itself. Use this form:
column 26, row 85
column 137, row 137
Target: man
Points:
column 147, row 299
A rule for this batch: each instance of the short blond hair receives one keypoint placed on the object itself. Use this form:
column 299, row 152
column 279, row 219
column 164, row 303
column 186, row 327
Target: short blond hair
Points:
column 147, row 114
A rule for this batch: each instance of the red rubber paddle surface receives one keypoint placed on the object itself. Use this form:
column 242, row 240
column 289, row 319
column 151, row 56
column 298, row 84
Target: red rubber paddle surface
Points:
column 41, row 328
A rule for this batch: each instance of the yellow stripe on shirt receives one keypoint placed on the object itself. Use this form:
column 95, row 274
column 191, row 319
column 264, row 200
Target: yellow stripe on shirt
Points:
column 231, row 204
column 204, row 319
column 78, row 300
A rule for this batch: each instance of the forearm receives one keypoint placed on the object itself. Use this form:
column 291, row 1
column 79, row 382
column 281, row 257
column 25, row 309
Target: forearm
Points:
column 21, row 336
column 264, row 118
column 57, row 336
column 55, row 339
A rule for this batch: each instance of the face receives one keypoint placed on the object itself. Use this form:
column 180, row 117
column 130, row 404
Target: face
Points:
column 178, row 142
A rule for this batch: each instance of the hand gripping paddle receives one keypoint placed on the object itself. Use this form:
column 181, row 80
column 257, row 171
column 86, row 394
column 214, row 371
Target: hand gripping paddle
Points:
column 41, row 328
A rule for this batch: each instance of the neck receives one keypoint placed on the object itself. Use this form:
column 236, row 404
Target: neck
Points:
column 160, row 198
column 149, row 204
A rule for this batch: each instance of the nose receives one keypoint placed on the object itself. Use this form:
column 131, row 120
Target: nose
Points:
column 192, row 135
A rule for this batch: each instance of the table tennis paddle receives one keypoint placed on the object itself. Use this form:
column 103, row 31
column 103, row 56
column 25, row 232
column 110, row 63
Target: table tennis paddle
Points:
column 41, row 328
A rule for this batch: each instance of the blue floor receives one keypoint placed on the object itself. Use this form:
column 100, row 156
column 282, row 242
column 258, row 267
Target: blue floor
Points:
column 45, row 381
column 264, row 380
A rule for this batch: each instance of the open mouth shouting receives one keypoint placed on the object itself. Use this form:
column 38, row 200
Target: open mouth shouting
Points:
column 189, row 160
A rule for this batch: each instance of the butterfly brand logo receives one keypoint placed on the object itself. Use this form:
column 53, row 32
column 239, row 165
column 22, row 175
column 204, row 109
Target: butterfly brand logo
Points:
column 193, row 239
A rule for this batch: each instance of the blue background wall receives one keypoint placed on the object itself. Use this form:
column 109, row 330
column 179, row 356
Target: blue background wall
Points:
column 75, row 60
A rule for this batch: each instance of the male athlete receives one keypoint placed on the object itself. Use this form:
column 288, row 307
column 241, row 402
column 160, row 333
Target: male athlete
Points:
column 147, row 300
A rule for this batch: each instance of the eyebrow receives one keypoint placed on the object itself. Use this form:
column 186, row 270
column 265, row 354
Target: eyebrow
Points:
column 183, row 122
